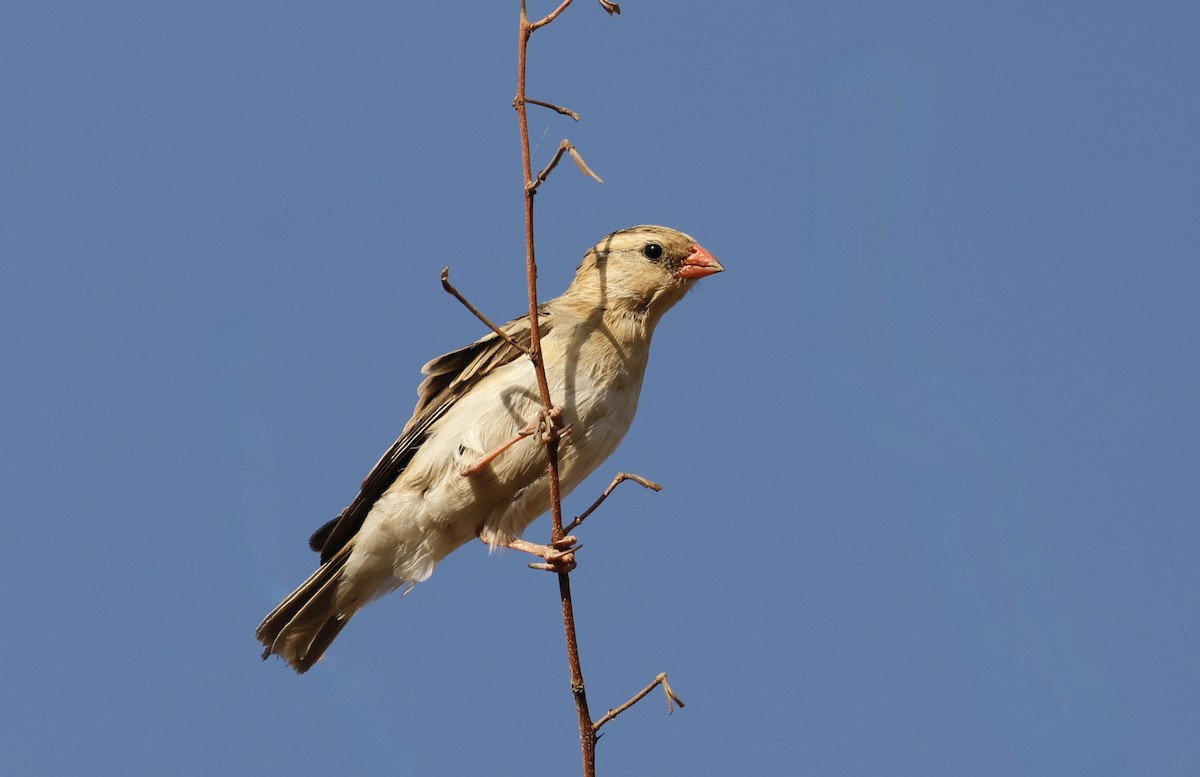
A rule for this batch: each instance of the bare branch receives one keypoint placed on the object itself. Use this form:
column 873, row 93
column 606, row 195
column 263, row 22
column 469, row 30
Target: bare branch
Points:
column 553, row 107
column 554, row 15
column 564, row 147
column 672, row 700
column 503, row 335
column 612, row 8
column 618, row 480
column 563, row 561
column 587, row 735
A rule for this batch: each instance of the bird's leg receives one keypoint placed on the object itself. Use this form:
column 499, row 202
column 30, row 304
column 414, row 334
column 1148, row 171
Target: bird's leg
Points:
column 548, row 425
column 556, row 557
column 482, row 464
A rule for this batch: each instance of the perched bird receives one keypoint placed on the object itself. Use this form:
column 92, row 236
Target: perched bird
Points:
column 468, row 464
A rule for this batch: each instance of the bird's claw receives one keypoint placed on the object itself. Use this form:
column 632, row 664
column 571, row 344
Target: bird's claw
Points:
column 566, row 543
column 550, row 425
column 559, row 555
column 559, row 562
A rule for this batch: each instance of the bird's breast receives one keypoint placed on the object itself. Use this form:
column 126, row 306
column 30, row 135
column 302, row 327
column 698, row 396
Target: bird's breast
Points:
column 597, row 377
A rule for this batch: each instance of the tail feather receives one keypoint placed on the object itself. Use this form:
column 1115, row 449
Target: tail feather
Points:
column 305, row 623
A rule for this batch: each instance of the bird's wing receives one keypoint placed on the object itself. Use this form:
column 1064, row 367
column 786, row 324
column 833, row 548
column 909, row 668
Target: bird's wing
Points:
column 447, row 378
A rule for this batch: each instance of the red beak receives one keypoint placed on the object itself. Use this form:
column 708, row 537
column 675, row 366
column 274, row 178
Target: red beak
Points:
column 698, row 264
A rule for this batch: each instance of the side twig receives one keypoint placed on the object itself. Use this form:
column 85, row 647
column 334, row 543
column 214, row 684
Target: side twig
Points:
column 449, row 287
column 567, row 147
column 549, row 17
column 611, row 7
column 553, row 107
column 672, row 700
column 618, row 480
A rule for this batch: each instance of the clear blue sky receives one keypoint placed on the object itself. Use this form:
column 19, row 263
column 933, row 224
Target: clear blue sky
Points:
column 929, row 444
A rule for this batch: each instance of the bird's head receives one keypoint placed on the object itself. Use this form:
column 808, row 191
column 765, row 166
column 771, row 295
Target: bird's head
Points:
column 641, row 272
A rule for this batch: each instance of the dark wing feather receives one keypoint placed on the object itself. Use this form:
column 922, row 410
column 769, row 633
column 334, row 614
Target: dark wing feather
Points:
column 334, row 535
column 446, row 379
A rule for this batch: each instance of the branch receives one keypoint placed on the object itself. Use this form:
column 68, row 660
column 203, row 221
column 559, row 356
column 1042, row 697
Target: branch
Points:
column 565, row 146
column 618, row 480
column 587, row 735
column 551, row 16
column 553, row 107
column 478, row 314
column 587, row 730
column 612, row 8
column 672, row 700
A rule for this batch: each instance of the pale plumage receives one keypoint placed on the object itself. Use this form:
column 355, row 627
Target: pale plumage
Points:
column 416, row 506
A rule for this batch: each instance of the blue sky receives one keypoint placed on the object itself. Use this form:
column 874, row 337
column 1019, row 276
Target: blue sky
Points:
column 929, row 444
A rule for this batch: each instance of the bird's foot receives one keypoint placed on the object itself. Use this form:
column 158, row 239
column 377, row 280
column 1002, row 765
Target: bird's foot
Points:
column 550, row 425
column 558, row 556
column 547, row 426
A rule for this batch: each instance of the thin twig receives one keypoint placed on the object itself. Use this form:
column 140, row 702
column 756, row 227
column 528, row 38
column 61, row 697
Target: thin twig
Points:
column 564, row 147
column 612, row 8
column 618, row 480
column 449, row 287
column 553, row 107
column 672, row 700
column 550, row 16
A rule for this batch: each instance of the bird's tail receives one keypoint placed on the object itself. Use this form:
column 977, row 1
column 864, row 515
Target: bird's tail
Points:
column 301, row 628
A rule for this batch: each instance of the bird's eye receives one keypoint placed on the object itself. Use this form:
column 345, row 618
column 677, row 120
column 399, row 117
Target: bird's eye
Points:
column 652, row 251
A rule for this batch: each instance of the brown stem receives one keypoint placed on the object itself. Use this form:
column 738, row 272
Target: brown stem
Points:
column 672, row 700
column 553, row 107
column 449, row 287
column 564, row 147
column 587, row 733
column 549, row 17
column 618, row 480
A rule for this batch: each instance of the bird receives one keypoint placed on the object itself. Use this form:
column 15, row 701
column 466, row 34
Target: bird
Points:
column 469, row 465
